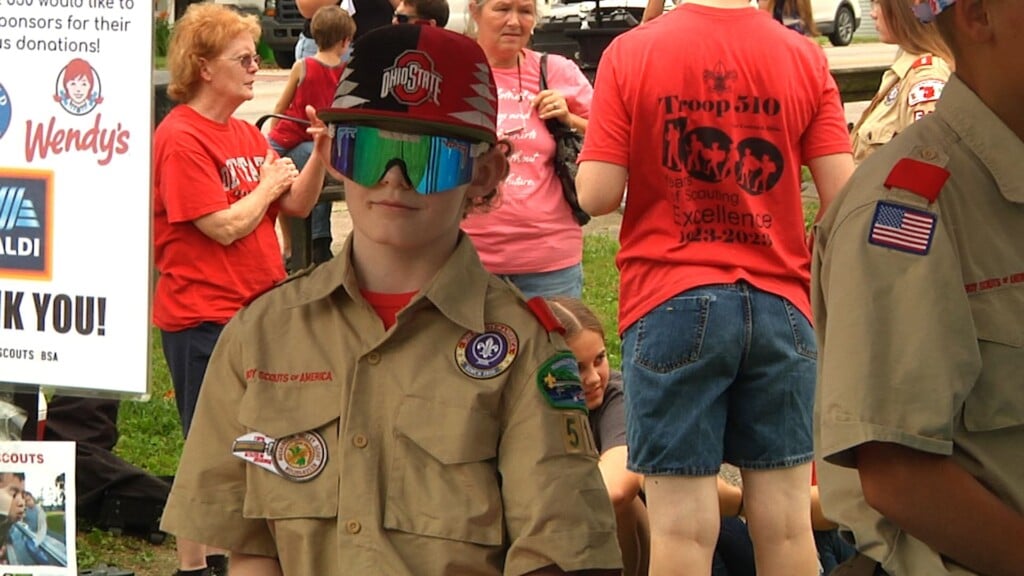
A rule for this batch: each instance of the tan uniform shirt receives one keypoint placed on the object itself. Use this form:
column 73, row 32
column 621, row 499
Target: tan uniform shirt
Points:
column 922, row 344
column 909, row 90
column 440, row 451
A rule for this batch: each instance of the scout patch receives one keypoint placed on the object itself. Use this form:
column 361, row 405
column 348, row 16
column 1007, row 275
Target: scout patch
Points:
column 902, row 228
column 891, row 96
column 559, row 382
column 578, row 436
column 486, row 355
column 921, row 178
column 299, row 457
column 925, row 91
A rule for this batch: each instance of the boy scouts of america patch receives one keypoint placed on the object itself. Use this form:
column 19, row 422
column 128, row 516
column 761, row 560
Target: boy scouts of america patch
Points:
column 486, row 355
column 902, row 228
column 559, row 382
column 299, row 457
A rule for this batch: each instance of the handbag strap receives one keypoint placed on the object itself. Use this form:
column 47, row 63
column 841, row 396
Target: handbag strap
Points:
column 543, row 70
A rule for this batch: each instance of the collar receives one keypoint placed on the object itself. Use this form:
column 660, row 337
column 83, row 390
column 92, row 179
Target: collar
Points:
column 903, row 63
column 984, row 134
column 458, row 290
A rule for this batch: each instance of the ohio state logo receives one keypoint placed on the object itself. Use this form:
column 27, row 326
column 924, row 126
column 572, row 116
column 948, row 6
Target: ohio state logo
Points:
column 412, row 79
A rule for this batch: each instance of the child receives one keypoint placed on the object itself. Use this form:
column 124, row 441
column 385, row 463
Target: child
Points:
column 312, row 82
column 398, row 410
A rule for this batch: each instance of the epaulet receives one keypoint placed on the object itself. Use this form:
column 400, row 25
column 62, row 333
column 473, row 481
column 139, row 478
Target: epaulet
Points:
column 918, row 177
column 543, row 313
column 291, row 277
column 925, row 60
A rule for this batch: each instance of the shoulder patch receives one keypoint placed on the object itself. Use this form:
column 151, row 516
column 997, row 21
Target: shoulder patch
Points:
column 542, row 311
column 925, row 60
column 925, row 91
column 559, row 382
column 921, row 178
column 486, row 355
column 902, row 228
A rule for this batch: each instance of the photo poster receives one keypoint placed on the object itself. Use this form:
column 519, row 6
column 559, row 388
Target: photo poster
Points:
column 76, row 118
column 37, row 509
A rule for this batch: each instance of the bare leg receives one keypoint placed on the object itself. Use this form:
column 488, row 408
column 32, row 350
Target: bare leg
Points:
column 684, row 516
column 777, row 505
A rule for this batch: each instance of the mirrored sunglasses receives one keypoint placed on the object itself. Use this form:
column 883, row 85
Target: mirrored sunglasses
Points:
column 431, row 164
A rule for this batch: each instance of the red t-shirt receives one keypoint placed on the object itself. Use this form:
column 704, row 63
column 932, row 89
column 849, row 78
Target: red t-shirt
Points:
column 201, row 167
column 315, row 89
column 713, row 111
column 387, row 306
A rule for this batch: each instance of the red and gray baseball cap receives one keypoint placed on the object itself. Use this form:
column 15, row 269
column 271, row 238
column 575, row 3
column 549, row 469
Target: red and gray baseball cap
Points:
column 927, row 10
column 412, row 78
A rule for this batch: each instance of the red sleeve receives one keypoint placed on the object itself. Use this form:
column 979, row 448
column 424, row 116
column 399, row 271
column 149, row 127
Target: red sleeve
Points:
column 608, row 133
column 190, row 185
column 827, row 133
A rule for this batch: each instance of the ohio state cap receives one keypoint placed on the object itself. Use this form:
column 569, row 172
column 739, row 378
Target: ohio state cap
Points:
column 927, row 10
column 413, row 78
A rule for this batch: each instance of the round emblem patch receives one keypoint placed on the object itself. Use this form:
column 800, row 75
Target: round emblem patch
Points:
column 891, row 96
column 301, row 457
column 486, row 355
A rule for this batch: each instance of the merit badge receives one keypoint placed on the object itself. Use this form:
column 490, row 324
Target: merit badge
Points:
column 559, row 381
column 301, row 457
column 902, row 228
column 488, row 354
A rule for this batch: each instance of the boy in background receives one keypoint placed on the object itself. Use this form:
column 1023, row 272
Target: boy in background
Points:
column 312, row 83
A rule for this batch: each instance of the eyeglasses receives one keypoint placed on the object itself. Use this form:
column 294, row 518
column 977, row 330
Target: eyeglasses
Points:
column 404, row 18
column 246, row 60
column 431, row 164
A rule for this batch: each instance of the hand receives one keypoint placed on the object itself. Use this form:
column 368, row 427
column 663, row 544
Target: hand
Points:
column 551, row 104
column 277, row 173
column 318, row 130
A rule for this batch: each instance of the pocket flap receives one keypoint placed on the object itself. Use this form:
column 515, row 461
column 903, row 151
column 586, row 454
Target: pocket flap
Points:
column 451, row 434
column 995, row 402
column 280, row 409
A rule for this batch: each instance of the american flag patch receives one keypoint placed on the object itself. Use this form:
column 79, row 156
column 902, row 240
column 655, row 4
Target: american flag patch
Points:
column 902, row 228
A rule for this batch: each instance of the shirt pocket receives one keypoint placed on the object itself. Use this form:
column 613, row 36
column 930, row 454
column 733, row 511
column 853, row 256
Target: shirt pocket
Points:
column 281, row 410
column 995, row 401
column 444, row 477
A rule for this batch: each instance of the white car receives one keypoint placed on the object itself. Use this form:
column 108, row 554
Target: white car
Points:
column 837, row 19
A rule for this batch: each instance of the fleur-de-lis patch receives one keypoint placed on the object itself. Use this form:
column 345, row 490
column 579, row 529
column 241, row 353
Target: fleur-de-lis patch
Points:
column 485, row 355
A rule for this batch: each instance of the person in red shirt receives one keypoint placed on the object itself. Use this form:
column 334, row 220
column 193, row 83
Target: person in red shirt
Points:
column 718, row 349
column 217, row 187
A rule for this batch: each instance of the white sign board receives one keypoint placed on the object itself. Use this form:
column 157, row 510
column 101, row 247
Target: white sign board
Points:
column 37, row 508
column 75, row 130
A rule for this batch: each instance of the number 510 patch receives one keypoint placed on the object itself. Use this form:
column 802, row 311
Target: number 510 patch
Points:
column 577, row 434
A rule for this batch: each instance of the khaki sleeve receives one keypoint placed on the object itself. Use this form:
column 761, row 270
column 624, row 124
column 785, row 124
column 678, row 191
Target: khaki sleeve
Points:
column 899, row 353
column 557, row 510
column 206, row 500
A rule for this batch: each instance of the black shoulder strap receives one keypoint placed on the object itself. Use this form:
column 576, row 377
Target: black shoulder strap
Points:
column 544, row 71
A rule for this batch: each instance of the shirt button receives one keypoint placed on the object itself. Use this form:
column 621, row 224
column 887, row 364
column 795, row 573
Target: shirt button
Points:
column 353, row 527
column 373, row 358
column 929, row 154
column 360, row 441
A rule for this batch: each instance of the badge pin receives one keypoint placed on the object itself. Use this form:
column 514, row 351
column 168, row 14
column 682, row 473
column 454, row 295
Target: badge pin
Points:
column 299, row 457
column 485, row 355
column 255, row 448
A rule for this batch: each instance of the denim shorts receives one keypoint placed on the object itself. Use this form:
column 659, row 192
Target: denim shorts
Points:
column 563, row 282
column 188, row 353
column 719, row 373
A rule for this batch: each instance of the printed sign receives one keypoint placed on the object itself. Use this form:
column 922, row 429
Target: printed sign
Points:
column 37, row 508
column 75, row 132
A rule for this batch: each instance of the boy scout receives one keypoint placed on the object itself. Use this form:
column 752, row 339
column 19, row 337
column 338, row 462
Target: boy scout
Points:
column 918, row 294
column 399, row 410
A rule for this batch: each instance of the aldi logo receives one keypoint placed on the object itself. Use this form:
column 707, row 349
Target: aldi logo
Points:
column 25, row 223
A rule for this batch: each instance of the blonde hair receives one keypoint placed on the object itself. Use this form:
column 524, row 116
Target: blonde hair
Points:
column 202, row 33
column 575, row 316
column 911, row 34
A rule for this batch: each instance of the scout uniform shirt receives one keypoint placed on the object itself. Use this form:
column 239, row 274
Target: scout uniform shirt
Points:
column 909, row 90
column 918, row 297
column 453, row 443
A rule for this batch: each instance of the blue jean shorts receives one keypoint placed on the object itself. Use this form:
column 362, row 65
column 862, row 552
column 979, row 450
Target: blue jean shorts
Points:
column 719, row 373
column 562, row 282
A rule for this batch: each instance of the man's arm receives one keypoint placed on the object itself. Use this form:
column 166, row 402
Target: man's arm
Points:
column 941, row 504
column 830, row 174
column 600, row 186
